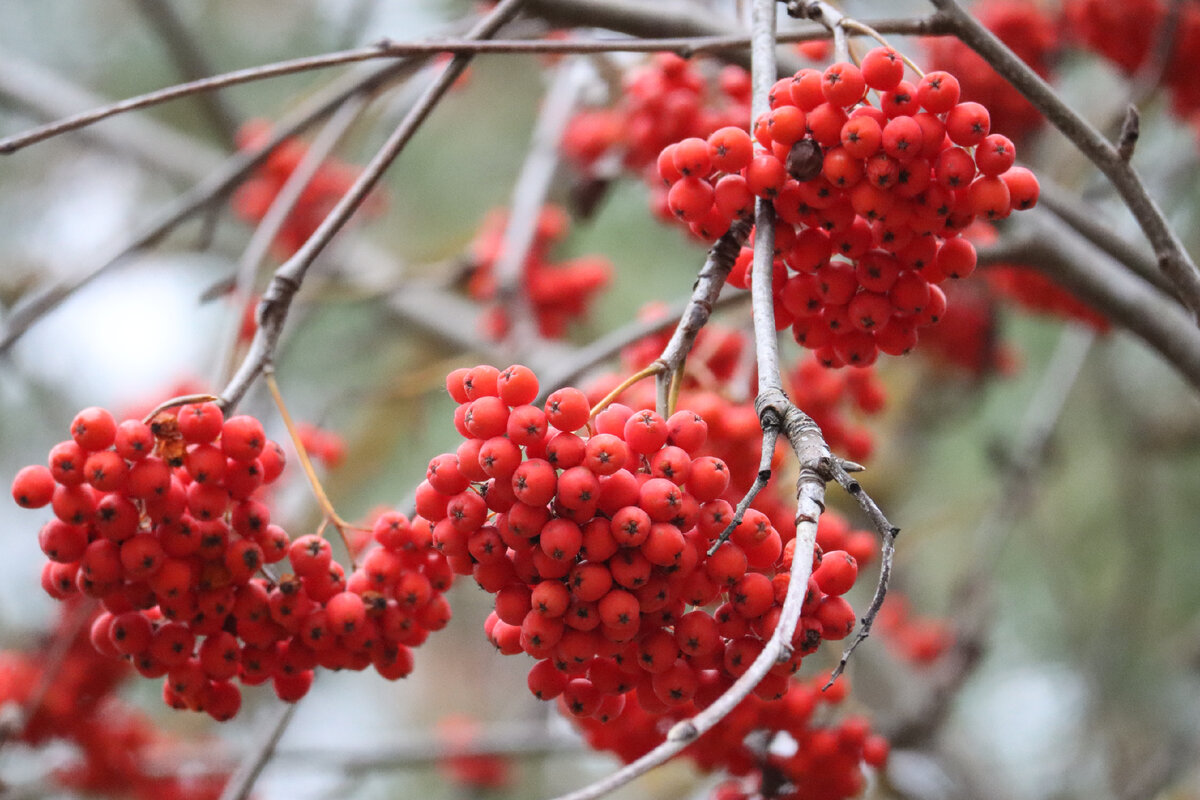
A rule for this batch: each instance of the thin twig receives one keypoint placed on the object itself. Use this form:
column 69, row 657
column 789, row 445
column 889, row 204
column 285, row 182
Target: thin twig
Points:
column 241, row 782
column 887, row 537
column 761, row 479
column 43, row 94
column 528, row 198
column 277, row 215
column 705, row 291
column 685, row 46
column 210, row 189
column 277, row 299
column 1173, row 258
column 191, row 63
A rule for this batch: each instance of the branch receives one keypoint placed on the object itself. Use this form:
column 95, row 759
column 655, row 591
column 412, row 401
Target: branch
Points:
column 715, row 41
column 705, row 292
column 277, row 299
column 241, row 782
column 828, row 16
column 214, row 186
column 190, row 62
column 45, row 95
column 1090, row 223
column 277, row 215
column 528, row 199
column 1173, row 259
column 810, row 448
column 1041, row 242
column 887, row 537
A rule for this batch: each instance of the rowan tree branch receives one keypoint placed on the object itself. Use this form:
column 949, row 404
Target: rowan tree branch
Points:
column 242, row 781
column 211, row 188
column 277, row 299
column 1042, row 242
column 191, row 63
column 1173, row 259
column 707, row 38
column 528, row 198
column 705, row 292
column 277, row 214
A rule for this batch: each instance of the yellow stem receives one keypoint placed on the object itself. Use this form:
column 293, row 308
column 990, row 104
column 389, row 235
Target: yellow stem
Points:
column 862, row 28
column 327, row 509
column 182, row 400
column 654, row 369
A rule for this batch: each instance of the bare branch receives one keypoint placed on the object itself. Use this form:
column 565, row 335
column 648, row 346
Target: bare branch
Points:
column 281, row 208
column 1041, row 242
column 529, row 196
column 277, row 299
column 761, row 479
column 706, row 290
column 241, row 782
column 887, row 537
column 1173, row 259
column 716, row 42
column 211, row 188
column 1089, row 222
column 190, row 62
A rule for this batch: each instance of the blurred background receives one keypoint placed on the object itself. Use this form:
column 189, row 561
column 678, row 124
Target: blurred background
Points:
column 1073, row 570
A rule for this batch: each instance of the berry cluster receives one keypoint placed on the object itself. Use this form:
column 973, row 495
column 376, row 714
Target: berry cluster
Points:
column 254, row 197
column 73, row 699
column 559, row 292
column 826, row 763
column 595, row 543
column 870, row 199
column 1030, row 32
column 664, row 101
column 163, row 522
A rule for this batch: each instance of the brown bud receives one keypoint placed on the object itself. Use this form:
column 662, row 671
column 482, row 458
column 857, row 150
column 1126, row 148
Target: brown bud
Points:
column 805, row 160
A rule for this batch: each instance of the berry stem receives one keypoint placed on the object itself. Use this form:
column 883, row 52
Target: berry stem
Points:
column 182, row 400
column 655, row 368
column 867, row 30
column 327, row 509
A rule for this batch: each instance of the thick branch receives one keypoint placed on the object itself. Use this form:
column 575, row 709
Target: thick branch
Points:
column 1173, row 259
column 1090, row 223
column 1067, row 258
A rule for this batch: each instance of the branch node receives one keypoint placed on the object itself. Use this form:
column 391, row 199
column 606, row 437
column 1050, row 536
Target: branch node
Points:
column 683, row 731
column 1130, row 130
